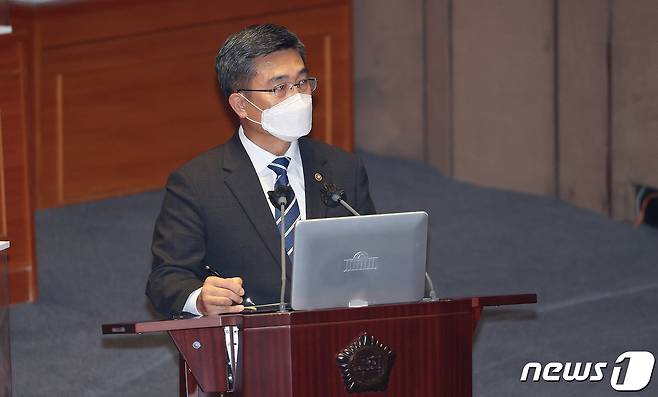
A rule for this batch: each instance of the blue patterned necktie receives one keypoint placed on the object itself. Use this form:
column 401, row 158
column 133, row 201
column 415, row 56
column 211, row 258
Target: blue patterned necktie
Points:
column 292, row 214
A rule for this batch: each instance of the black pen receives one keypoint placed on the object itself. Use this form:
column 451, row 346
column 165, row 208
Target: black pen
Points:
column 212, row 272
column 247, row 300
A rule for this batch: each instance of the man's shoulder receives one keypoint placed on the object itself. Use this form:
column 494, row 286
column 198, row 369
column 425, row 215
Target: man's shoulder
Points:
column 210, row 159
column 204, row 165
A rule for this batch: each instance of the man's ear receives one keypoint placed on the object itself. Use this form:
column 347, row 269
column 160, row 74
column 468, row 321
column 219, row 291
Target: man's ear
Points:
column 238, row 104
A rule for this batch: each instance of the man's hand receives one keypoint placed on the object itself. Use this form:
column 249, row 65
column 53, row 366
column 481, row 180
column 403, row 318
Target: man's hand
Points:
column 220, row 295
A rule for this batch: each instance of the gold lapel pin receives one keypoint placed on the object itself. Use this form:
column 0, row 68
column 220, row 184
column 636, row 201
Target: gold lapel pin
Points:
column 318, row 177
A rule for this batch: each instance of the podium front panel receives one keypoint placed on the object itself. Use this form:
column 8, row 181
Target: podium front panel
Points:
column 432, row 355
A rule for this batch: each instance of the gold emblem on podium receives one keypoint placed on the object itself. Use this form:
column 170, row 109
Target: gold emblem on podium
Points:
column 365, row 364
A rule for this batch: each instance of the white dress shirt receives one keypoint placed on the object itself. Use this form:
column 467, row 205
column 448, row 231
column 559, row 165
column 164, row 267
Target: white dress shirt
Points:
column 260, row 159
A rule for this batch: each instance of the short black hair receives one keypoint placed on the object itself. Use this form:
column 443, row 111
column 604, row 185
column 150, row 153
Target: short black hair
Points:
column 234, row 60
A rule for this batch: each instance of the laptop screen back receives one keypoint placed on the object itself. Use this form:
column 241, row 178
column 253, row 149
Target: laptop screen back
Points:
column 357, row 261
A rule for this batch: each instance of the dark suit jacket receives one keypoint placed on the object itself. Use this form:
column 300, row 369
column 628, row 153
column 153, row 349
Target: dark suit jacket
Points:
column 215, row 213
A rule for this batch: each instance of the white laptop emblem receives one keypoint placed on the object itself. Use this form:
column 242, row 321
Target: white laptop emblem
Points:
column 360, row 262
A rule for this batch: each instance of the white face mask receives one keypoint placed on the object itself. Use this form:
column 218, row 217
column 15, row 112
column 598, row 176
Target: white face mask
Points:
column 288, row 120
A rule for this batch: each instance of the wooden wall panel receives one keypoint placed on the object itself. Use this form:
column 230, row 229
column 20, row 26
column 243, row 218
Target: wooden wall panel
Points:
column 63, row 22
column 120, row 109
column 583, row 103
column 556, row 97
column 438, row 82
column 389, row 77
column 503, row 120
column 16, row 217
column 123, row 129
column 634, row 102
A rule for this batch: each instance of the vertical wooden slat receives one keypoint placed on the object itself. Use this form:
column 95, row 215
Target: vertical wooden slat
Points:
column 16, row 215
column 388, row 72
column 3, row 201
column 438, row 83
column 583, row 100
column 503, row 94
column 634, row 102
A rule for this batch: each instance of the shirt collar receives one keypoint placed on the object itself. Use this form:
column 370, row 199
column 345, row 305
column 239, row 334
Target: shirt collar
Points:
column 261, row 158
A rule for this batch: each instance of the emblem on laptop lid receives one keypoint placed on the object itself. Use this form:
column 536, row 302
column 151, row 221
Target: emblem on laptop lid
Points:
column 361, row 261
column 365, row 364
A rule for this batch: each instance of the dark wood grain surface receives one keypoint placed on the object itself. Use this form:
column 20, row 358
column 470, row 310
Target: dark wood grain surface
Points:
column 126, row 91
column 16, row 208
column 294, row 353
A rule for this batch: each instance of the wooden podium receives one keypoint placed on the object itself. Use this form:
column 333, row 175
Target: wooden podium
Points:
column 418, row 349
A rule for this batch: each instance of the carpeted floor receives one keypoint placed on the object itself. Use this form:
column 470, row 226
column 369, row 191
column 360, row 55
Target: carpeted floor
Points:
column 597, row 282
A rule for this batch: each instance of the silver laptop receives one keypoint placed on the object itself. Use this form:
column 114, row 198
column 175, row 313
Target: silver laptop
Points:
column 359, row 261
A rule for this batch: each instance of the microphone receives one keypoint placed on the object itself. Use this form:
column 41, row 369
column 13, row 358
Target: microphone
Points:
column 282, row 195
column 281, row 198
column 333, row 196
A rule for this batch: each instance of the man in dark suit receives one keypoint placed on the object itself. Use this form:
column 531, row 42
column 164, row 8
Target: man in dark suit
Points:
column 215, row 211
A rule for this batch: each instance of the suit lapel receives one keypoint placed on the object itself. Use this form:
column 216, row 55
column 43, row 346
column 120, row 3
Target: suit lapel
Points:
column 243, row 182
column 313, row 165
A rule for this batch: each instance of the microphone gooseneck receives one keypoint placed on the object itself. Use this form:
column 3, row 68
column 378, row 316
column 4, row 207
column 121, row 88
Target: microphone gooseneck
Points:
column 281, row 198
column 330, row 194
column 282, row 195
column 333, row 196
column 430, row 284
